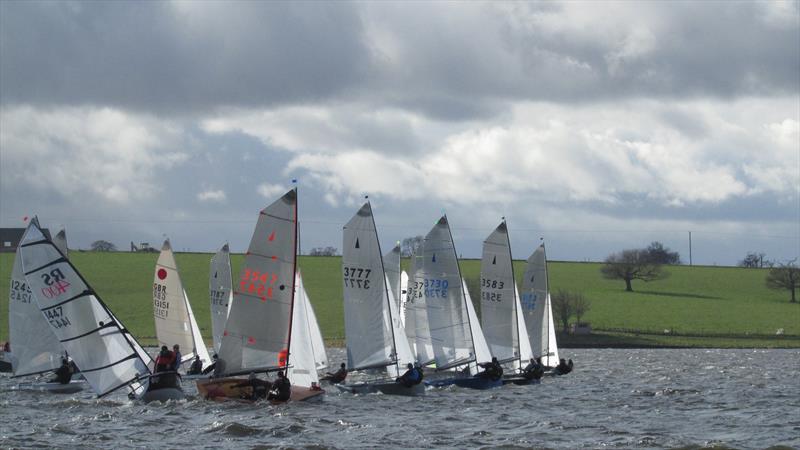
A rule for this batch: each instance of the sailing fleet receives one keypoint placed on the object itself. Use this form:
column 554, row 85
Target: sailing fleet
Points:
column 421, row 322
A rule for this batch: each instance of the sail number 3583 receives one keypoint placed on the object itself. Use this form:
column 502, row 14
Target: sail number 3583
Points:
column 356, row 277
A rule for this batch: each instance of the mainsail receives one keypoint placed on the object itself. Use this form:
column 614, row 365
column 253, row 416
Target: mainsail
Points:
column 535, row 302
column 36, row 347
column 221, row 292
column 416, row 314
column 257, row 333
column 175, row 322
column 60, row 241
column 438, row 279
column 391, row 264
column 109, row 357
column 498, row 299
column 375, row 337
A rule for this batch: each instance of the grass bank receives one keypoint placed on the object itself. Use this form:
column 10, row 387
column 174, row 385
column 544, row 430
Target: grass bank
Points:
column 699, row 306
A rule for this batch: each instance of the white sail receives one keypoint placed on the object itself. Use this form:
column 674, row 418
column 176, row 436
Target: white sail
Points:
column 444, row 299
column 416, row 315
column 391, row 265
column 175, row 323
column 60, row 241
column 36, row 347
column 498, row 300
column 402, row 346
column 374, row 335
column 303, row 371
column 402, row 300
column 525, row 350
column 99, row 344
column 221, row 293
column 257, row 332
column 535, row 302
column 482, row 352
column 317, row 343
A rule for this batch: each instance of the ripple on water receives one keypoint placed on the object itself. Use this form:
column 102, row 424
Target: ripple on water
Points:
column 234, row 429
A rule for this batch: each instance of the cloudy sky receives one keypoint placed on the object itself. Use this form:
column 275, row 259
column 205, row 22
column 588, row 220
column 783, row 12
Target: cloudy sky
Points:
column 595, row 125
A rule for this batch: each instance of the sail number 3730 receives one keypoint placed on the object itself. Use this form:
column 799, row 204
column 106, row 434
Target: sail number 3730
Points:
column 356, row 277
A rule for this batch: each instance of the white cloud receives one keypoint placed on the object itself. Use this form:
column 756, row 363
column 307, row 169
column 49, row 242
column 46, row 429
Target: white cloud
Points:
column 212, row 196
column 104, row 152
column 270, row 191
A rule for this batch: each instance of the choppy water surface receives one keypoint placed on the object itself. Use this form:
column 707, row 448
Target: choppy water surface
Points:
column 614, row 398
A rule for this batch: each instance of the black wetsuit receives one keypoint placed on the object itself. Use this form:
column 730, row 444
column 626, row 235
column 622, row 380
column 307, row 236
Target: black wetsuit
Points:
column 492, row 371
column 195, row 368
column 281, row 389
column 533, row 371
column 336, row 377
column 63, row 374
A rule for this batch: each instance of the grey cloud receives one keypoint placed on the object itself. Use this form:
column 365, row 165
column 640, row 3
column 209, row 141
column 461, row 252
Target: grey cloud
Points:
column 449, row 61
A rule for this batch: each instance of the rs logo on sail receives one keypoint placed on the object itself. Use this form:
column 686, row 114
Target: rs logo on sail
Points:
column 56, row 284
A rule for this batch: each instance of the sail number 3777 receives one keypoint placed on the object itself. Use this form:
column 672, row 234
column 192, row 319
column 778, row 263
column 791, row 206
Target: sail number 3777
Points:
column 356, row 277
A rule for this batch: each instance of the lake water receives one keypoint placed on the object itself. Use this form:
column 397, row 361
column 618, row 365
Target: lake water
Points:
column 614, row 398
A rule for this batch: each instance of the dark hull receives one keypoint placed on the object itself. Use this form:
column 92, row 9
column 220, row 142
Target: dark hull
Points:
column 467, row 382
column 520, row 381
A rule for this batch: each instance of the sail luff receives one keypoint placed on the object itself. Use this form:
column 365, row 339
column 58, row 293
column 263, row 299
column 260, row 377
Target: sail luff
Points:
column 389, row 298
column 293, row 290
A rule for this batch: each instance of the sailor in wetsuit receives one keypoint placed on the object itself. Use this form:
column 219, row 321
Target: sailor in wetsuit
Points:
column 533, row 371
column 197, row 366
column 336, row 377
column 63, row 373
column 563, row 367
column 281, row 388
column 491, row 370
column 260, row 388
column 411, row 377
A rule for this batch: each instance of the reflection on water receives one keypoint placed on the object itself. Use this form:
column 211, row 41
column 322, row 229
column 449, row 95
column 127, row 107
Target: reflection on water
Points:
column 615, row 398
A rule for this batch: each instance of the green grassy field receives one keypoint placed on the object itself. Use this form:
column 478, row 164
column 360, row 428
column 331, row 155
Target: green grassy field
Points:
column 702, row 306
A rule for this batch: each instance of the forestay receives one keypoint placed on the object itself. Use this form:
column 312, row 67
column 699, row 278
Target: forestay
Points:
column 256, row 335
column 107, row 354
column 219, row 286
column 175, row 322
column 535, row 302
column 374, row 338
column 439, row 281
column 498, row 300
column 36, row 347
column 317, row 343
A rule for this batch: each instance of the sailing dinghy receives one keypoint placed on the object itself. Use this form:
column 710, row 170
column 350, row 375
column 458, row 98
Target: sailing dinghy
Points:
column 453, row 335
column 174, row 318
column 375, row 335
column 108, row 355
column 221, row 293
column 258, row 332
column 501, row 314
column 538, row 312
column 37, row 350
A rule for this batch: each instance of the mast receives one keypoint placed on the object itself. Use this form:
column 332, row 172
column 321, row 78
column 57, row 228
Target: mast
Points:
column 547, row 299
column 294, row 283
column 517, row 312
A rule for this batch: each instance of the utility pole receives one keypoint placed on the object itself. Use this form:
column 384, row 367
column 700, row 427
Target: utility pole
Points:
column 690, row 249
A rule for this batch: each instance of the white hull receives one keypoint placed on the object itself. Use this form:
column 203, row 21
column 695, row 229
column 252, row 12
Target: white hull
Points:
column 54, row 388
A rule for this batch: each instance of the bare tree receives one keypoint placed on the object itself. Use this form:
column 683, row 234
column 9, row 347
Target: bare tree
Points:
column 753, row 260
column 103, row 246
column 784, row 276
column 324, row 251
column 580, row 306
column 562, row 308
column 662, row 255
column 629, row 265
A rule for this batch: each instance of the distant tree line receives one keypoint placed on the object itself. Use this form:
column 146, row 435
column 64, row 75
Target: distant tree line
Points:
column 324, row 251
column 103, row 246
